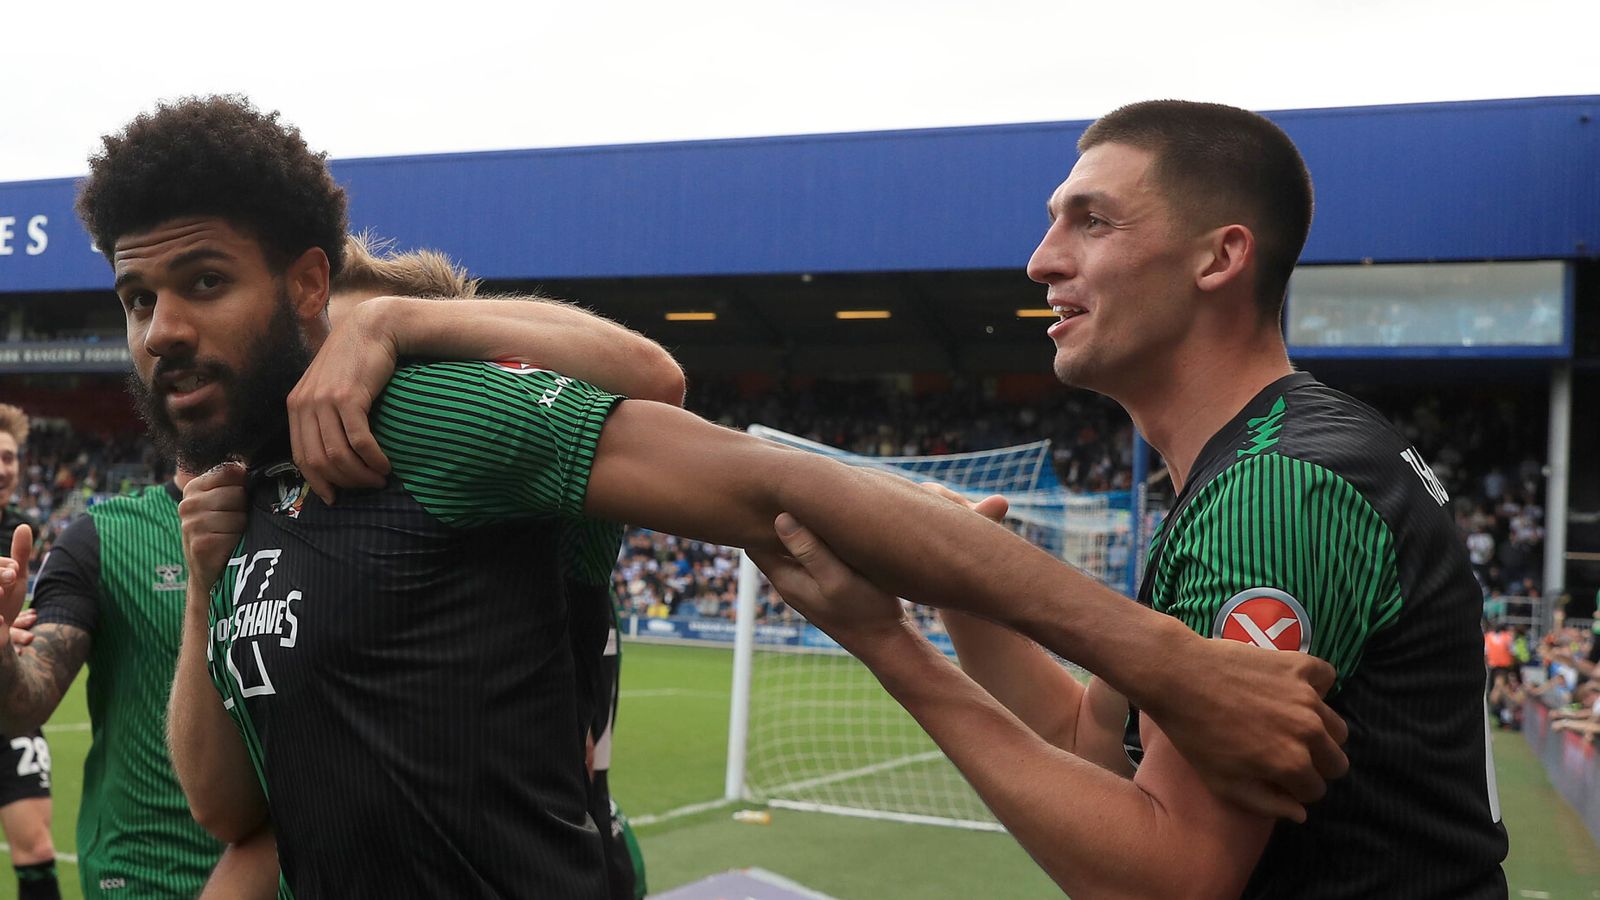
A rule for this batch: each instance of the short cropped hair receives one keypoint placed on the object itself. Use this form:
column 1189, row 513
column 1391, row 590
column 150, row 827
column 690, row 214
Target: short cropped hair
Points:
column 14, row 421
column 1224, row 165
column 215, row 156
column 370, row 264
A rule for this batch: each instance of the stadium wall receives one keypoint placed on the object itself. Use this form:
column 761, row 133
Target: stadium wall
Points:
column 1500, row 179
column 1572, row 762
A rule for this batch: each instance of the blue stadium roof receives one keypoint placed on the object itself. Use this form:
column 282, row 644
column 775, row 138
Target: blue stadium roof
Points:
column 1499, row 179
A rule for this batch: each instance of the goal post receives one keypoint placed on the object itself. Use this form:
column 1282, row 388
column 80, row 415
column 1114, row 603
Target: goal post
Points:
column 810, row 728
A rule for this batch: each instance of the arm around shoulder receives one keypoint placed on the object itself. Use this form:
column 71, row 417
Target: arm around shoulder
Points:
column 550, row 334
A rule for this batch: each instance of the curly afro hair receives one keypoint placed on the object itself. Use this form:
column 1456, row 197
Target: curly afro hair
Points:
column 215, row 156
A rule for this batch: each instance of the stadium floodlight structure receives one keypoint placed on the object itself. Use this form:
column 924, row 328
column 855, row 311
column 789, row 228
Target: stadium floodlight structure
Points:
column 811, row 729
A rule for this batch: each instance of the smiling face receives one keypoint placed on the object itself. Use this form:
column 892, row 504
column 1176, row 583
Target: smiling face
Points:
column 214, row 338
column 1118, row 264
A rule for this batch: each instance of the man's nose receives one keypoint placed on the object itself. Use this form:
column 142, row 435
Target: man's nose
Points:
column 171, row 331
column 1051, row 260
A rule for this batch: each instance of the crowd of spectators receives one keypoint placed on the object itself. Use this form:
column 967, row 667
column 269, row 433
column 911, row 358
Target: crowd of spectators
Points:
column 1562, row 671
column 1490, row 461
column 63, row 472
column 1091, row 438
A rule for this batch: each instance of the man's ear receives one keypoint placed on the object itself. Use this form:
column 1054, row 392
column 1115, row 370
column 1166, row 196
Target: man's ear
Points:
column 307, row 280
column 1227, row 259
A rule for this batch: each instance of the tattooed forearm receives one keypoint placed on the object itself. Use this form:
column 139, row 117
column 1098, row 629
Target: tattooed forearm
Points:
column 33, row 680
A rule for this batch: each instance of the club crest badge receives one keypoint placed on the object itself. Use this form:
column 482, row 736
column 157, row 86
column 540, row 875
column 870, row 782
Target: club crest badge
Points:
column 169, row 577
column 292, row 490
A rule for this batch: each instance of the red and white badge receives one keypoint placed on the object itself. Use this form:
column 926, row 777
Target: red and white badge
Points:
column 516, row 368
column 1266, row 617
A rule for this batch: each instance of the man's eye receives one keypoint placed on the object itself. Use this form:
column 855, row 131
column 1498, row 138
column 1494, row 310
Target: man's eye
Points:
column 208, row 281
column 140, row 301
column 1093, row 221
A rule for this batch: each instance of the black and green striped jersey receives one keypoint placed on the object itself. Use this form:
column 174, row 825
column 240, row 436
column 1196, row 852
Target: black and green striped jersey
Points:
column 118, row 574
column 1308, row 523
column 589, row 551
column 401, row 664
column 590, row 548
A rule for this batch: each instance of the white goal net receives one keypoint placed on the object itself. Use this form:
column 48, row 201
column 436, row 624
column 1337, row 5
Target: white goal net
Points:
column 812, row 729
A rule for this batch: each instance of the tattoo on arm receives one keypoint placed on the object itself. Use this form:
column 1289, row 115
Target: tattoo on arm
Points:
column 33, row 681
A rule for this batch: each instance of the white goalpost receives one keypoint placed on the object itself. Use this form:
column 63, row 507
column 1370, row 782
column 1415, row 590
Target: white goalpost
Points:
column 811, row 729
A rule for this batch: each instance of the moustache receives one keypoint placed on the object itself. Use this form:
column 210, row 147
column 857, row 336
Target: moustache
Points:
column 169, row 369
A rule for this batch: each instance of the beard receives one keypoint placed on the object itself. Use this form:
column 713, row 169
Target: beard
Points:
column 254, row 397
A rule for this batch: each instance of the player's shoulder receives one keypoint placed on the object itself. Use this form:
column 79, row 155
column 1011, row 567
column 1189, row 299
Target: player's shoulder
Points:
column 1328, row 426
column 1301, row 419
column 1280, row 489
column 1297, row 440
column 453, row 382
column 469, row 371
column 156, row 500
column 1302, row 441
column 76, row 550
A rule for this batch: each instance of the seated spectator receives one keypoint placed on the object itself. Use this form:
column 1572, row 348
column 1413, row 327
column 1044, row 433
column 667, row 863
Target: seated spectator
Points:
column 1506, row 698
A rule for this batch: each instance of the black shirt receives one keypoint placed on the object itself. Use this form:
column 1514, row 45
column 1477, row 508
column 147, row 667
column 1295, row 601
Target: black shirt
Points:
column 1309, row 523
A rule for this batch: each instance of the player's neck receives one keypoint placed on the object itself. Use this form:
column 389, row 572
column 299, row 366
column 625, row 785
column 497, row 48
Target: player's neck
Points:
column 1204, row 388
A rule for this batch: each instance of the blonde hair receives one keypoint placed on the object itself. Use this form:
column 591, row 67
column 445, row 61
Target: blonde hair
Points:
column 370, row 264
column 14, row 422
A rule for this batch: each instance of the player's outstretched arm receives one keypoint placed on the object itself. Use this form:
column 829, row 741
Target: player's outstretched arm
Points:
column 248, row 869
column 1026, row 680
column 1086, row 720
column 1162, row 834
column 208, row 754
column 328, row 410
column 1269, row 750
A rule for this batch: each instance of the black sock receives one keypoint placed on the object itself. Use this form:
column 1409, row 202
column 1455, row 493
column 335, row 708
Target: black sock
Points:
column 37, row 882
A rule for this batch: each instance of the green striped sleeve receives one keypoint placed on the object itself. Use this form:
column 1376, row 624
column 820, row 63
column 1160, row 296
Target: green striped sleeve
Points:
column 1272, row 526
column 477, row 443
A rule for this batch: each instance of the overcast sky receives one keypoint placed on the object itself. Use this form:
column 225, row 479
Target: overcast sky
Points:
column 364, row 79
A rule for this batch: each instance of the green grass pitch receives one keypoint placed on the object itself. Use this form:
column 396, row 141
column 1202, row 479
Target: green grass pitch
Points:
column 671, row 743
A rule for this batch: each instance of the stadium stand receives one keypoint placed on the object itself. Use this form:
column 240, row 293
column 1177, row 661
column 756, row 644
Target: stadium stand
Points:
column 66, row 471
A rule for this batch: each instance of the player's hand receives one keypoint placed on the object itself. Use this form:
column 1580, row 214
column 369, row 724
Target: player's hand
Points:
column 14, row 573
column 1253, row 723
column 830, row 594
column 21, row 631
column 213, row 511
column 329, row 409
